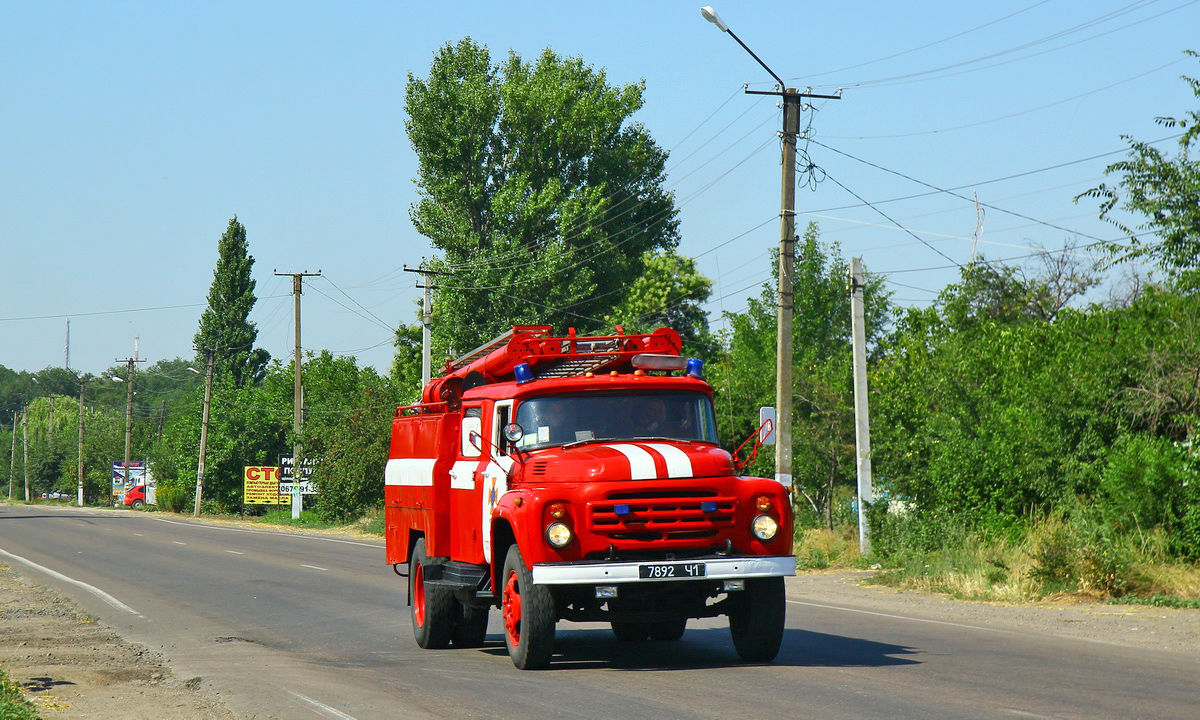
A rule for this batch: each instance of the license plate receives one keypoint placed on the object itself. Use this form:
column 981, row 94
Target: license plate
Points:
column 671, row 571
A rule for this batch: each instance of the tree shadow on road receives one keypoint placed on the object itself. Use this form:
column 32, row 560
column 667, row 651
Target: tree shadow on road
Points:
column 706, row 648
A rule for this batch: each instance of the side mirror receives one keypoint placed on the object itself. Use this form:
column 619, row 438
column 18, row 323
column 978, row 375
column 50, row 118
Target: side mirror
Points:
column 738, row 463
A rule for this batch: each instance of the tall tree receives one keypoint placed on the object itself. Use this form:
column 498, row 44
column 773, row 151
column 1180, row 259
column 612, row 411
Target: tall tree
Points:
column 536, row 186
column 1165, row 192
column 224, row 327
column 671, row 293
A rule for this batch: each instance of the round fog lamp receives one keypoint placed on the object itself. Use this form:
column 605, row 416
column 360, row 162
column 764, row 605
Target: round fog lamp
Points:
column 559, row 535
column 764, row 527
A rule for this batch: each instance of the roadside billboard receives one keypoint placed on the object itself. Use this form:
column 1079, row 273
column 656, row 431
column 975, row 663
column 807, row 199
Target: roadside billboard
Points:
column 120, row 483
column 307, row 465
column 260, row 486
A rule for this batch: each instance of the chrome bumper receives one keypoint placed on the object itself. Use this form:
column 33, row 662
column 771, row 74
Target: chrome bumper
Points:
column 611, row 573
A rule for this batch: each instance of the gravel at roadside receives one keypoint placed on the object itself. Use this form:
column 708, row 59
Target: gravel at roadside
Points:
column 72, row 666
column 1172, row 629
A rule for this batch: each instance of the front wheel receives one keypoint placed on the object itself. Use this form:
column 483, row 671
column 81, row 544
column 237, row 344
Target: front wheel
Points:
column 756, row 620
column 528, row 612
column 432, row 607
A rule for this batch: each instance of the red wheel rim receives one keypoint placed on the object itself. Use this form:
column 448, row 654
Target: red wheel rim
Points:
column 419, row 595
column 512, row 609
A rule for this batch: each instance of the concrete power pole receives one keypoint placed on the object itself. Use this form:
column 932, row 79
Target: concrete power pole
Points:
column 208, row 378
column 792, row 101
column 12, row 463
column 426, row 321
column 787, row 305
column 79, row 469
column 297, row 398
column 862, row 425
column 131, row 363
column 25, row 448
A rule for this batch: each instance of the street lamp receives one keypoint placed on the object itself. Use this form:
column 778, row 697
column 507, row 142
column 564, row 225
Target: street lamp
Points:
column 787, row 239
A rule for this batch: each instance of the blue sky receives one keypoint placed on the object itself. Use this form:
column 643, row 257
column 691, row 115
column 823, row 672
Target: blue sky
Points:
column 133, row 131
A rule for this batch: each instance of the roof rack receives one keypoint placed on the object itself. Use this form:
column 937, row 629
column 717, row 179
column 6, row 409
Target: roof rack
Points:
column 568, row 356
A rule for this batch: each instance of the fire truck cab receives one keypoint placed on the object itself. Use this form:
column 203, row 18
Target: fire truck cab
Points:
column 580, row 478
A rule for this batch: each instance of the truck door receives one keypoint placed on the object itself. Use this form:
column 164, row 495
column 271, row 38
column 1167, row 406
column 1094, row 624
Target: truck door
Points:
column 464, row 486
column 493, row 471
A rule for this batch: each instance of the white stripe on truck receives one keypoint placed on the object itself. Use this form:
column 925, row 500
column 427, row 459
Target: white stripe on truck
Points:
column 409, row 471
column 641, row 462
column 679, row 465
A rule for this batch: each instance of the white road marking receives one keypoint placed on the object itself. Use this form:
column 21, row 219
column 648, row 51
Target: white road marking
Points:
column 904, row 617
column 235, row 552
column 1022, row 713
column 78, row 583
column 331, row 712
column 314, row 567
column 178, row 543
column 271, row 532
column 139, row 535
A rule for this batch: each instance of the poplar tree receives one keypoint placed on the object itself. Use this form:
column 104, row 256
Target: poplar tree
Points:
column 541, row 193
column 225, row 328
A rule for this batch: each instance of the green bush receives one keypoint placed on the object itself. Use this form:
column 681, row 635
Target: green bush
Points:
column 13, row 705
column 172, row 499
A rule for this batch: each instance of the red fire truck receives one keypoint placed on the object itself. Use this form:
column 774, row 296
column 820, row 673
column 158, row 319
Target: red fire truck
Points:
column 579, row 478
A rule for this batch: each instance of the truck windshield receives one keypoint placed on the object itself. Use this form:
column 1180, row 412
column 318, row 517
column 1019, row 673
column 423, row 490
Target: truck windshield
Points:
column 561, row 419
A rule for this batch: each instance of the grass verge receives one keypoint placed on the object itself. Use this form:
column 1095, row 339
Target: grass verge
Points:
column 13, row 705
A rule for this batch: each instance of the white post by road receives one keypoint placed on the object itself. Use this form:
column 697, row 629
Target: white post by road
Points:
column 862, row 428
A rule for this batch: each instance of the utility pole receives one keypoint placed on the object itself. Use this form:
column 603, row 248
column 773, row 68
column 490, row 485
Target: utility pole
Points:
column 25, row 448
column 208, row 378
column 792, row 102
column 298, row 397
column 426, row 322
column 162, row 416
column 80, row 467
column 862, row 420
column 12, row 463
column 131, row 363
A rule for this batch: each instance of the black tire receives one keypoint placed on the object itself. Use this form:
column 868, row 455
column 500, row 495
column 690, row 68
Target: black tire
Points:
column 757, row 618
column 528, row 612
column 138, row 504
column 668, row 630
column 631, row 631
column 471, row 627
column 433, row 611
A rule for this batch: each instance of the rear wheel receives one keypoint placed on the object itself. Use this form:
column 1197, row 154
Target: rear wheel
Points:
column 528, row 612
column 138, row 504
column 433, row 612
column 756, row 619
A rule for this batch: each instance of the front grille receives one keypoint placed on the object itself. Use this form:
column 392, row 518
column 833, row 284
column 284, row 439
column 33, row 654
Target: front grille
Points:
column 650, row 516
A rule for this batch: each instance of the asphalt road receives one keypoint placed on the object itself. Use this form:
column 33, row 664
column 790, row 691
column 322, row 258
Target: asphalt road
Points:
column 303, row 626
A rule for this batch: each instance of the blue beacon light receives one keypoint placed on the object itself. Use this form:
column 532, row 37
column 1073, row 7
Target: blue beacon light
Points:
column 523, row 373
column 695, row 368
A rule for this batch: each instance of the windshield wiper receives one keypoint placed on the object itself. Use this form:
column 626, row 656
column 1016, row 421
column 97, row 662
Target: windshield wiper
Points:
column 589, row 441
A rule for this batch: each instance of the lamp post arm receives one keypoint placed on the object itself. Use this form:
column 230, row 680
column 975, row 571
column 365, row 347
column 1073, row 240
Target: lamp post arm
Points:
column 778, row 79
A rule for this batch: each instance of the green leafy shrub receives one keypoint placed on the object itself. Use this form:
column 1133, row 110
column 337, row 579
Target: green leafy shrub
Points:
column 172, row 499
column 13, row 705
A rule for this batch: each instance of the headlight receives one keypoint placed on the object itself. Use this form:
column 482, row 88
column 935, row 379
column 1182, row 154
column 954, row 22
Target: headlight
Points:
column 764, row 527
column 559, row 535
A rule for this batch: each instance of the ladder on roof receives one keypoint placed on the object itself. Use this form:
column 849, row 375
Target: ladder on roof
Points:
column 483, row 350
